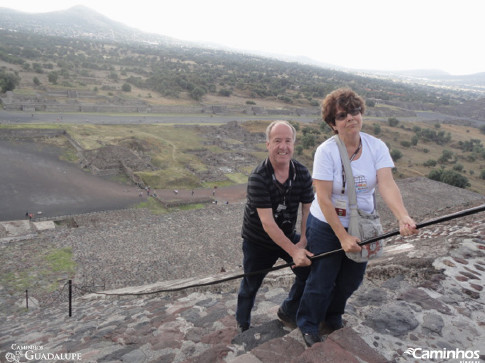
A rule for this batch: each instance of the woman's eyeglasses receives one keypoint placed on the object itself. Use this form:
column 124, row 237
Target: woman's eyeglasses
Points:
column 343, row 115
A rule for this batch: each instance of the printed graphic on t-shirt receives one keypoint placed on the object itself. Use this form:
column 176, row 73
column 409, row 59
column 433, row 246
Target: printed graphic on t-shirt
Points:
column 360, row 184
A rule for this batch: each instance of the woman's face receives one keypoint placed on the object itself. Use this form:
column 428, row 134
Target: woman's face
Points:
column 347, row 123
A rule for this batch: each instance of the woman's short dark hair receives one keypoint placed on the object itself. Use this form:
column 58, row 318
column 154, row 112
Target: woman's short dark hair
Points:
column 344, row 98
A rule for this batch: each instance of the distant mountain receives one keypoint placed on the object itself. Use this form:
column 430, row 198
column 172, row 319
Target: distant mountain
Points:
column 82, row 22
column 436, row 77
column 78, row 21
column 424, row 73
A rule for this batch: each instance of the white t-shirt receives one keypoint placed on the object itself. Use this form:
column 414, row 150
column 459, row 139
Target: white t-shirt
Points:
column 328, row 166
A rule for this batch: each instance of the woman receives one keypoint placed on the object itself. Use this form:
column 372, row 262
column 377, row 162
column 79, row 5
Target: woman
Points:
column 334, row 278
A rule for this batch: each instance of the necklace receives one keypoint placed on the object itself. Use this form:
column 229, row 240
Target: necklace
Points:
column 356, row 150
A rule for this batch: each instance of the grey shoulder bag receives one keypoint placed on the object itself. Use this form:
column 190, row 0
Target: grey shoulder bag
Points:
column 362, row 224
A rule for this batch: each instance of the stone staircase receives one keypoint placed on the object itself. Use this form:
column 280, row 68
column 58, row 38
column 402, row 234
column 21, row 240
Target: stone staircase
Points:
column 426, row 292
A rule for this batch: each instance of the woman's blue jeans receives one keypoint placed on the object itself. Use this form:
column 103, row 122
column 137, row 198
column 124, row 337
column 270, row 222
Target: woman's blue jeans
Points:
column 257, row 258
column 332, row 280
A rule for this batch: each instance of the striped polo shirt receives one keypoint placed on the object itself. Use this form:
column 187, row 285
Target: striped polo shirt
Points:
column 264, row 191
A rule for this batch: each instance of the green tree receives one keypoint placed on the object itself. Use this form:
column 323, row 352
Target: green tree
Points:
column 197, row 93
column 126, row 87
column 296, row 125
column 113, row 76
column 324, row 127
column 8, row 81
column 454, row 178
column 308, row 141
column 310, row 130
column 37, row 68
column 377, row 129
column 446, row 155
column 53, row 77
column 435, row 174
column 370, row 103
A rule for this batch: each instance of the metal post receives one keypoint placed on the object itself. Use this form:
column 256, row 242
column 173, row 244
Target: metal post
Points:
column 27, row 299
column 70, row 298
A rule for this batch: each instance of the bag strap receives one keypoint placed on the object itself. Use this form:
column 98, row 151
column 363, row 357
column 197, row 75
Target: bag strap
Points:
column 344, row 157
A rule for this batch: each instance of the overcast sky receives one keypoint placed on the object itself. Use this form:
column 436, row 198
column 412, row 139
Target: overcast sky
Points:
column 362, row 34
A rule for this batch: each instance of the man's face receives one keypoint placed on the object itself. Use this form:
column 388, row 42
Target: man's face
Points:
column 280, row 145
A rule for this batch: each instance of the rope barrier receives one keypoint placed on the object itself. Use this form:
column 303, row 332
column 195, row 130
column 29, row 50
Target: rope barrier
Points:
column 442, row 219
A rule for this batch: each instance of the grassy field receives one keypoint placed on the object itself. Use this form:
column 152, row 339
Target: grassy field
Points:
column 36, row 268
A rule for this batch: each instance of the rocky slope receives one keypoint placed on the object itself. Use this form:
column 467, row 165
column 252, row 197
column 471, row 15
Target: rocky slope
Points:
column 425, row 296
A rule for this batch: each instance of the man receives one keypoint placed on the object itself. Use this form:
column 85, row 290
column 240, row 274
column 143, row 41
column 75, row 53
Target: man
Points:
column 275, row 190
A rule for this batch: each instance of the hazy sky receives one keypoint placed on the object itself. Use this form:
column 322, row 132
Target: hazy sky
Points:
column 367, row 34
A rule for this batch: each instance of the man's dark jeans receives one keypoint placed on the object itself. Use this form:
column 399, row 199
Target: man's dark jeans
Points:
column 257, row 258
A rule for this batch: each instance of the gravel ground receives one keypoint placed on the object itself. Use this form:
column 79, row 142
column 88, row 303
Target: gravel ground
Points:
column 122, row 248
column 134, row 247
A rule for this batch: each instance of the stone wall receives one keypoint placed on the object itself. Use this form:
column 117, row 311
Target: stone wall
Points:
column 71, row 103
column 30, row 133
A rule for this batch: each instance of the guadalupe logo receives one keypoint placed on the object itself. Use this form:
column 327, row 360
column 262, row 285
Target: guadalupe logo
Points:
column 34, row 352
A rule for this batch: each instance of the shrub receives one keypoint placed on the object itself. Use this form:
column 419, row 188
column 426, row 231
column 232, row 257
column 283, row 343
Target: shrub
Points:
column 324, row 127
column 430, row 162
column 126, row 87
column 370, row 103
column 454, row 178
column 450, row 177
column 295, row 124
column 308, row 141
column 405, row 143
column 53, row 77
column 8, row 81
column 396, row 155
column 224, row 92
column 197, row 93
column 393, row 121
column 458, row 167
column 445, row 156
